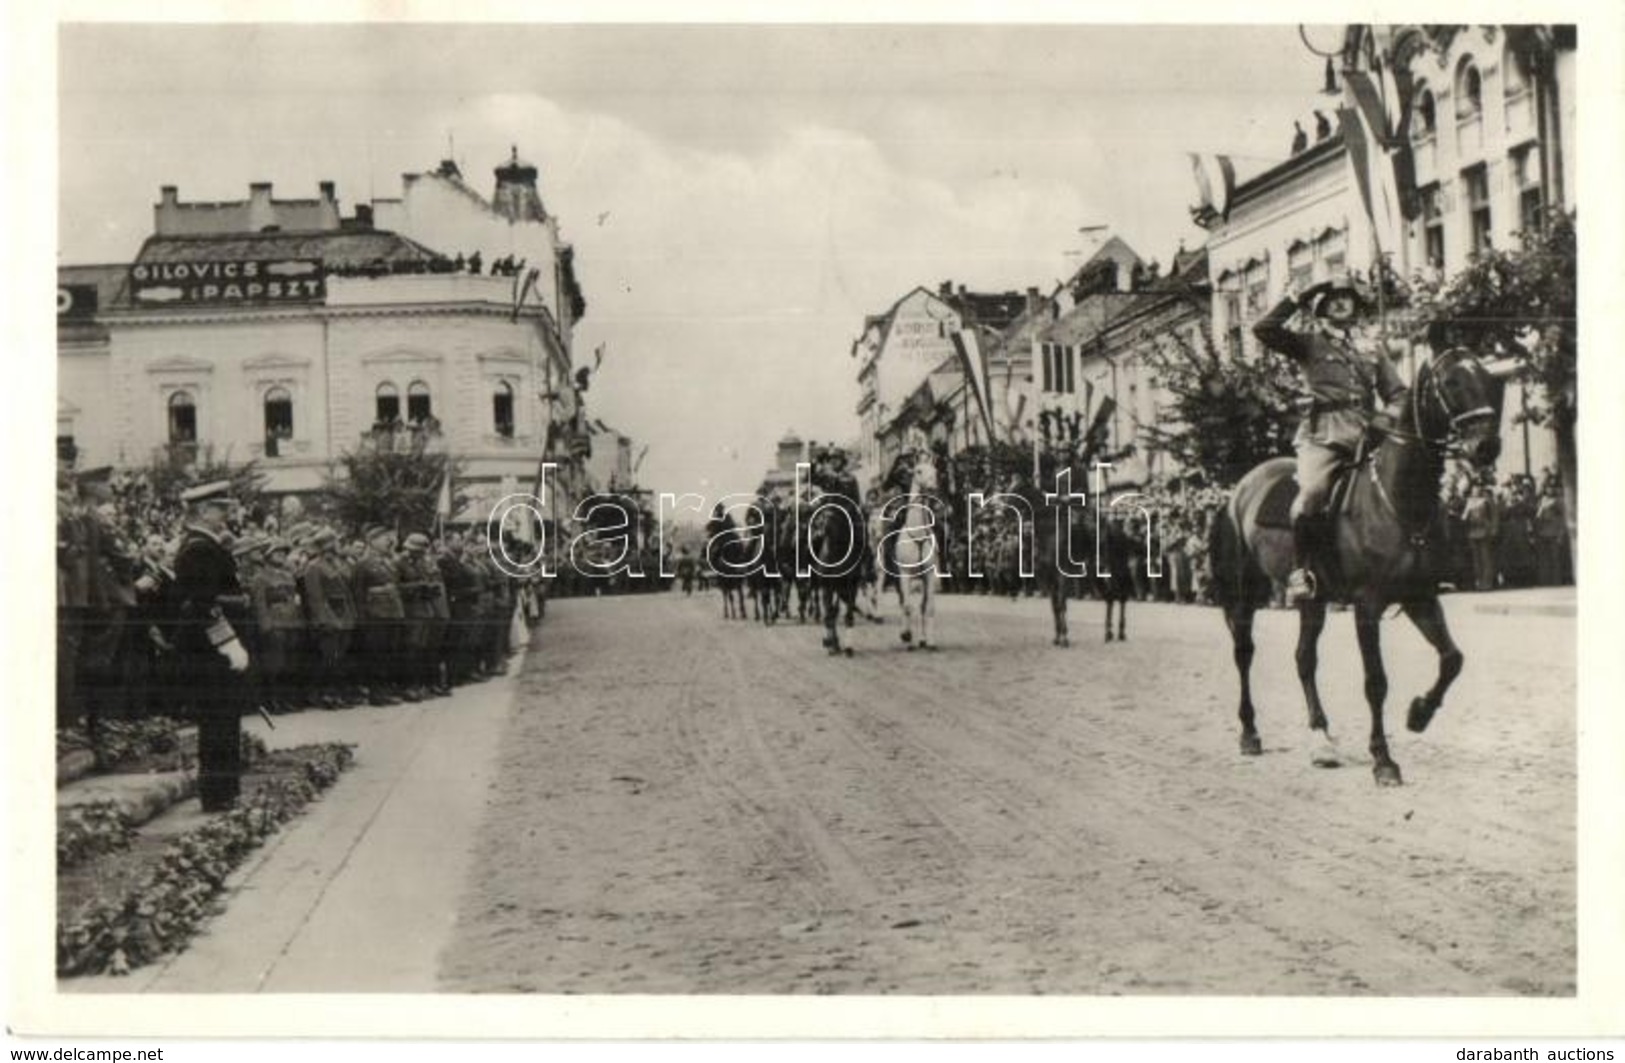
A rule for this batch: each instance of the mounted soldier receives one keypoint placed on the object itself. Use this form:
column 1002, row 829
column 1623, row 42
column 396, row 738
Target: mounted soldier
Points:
column 1347, row 373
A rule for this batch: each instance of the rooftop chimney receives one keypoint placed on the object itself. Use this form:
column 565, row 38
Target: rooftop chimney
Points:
column 169, row 194
column 327, row 188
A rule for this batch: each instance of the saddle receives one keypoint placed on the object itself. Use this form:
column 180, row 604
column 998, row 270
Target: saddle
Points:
column 1276, row 509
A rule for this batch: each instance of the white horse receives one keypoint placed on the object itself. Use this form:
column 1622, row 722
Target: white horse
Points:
column 916, row 551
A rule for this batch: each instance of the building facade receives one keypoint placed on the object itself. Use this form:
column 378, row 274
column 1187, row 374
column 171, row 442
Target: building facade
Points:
column 280, row 331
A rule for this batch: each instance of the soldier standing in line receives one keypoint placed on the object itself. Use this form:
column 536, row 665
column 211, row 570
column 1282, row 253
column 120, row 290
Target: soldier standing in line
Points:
column 330, row 603
column 463, row 600
column 500, row 616
column 210, row 604
column 378, row 598
column 1483, row 520
column 424, row 595
column 281, row 625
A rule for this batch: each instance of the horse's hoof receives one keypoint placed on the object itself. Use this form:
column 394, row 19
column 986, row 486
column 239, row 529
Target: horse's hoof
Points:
column 848, row 651
column 1251, row 746
column 1108, row 636
column 907, row 636
column 1420, row 716
column 1327, row 755
column 1388, row 775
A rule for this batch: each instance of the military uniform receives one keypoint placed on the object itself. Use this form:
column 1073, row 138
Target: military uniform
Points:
column 281, row 628
column 330, row 606
column 1342, row 382
column 464, row 586
column 210, row 605
column 424, row 595
column 381, row 613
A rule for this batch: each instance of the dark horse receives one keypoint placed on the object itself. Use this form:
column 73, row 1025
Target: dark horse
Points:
column 1384, row 554
column 1070, row 537
column 726, row 552
column 835, row 545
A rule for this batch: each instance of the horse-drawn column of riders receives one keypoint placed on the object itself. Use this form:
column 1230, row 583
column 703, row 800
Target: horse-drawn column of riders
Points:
column 1353, row 519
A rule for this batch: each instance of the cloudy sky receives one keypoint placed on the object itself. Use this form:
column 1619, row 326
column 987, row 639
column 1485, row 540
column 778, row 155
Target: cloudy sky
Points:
column 739, row 196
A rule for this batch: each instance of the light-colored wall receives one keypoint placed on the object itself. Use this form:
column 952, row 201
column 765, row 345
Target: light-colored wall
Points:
column 436, row 213
column 1316, row 206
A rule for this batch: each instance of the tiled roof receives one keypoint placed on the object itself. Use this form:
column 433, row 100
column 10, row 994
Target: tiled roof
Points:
column 336, row 249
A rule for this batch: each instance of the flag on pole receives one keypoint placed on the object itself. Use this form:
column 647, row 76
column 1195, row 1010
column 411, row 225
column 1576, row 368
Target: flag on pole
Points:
column 1098, row 435
column 1376, row 135
column 442, row 506
column 1215, row 181
column 522, row 287
column 974, row 364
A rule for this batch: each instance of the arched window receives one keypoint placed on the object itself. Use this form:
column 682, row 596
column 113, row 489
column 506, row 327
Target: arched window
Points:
column 388, row 403
column 1469, row 91
column 278, row 414
column 502, row 409
column 182, row 418
column 418, row 408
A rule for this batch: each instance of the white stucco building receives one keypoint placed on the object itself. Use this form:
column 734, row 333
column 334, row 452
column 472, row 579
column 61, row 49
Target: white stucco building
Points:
column 281, row 331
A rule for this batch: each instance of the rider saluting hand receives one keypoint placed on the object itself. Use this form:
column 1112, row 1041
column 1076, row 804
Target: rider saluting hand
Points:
column 1346, row 372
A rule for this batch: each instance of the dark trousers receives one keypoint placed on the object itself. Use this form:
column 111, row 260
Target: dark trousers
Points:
column 217, row 696
column 379, row 649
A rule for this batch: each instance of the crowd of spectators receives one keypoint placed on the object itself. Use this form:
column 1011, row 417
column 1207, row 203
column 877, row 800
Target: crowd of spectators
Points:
column 332, row 615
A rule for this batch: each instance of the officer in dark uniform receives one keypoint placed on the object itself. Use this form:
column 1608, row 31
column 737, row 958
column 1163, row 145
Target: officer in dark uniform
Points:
column 210, row 605
column 463, row 588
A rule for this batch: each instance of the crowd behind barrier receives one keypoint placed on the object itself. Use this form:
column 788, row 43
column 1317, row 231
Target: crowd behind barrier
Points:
column 328, row 619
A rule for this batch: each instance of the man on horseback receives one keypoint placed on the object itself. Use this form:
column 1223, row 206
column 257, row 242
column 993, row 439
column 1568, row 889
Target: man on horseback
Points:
column 1346, row 375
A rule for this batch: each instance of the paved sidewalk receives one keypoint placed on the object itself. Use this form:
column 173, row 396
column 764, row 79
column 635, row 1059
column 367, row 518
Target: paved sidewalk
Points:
column 1521, row 601
column 359, row 893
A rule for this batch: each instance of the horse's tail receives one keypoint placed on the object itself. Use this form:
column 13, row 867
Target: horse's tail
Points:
column 1237, row 577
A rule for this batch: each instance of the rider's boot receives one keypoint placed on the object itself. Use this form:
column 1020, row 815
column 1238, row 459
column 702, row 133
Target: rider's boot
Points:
column 1301, row 585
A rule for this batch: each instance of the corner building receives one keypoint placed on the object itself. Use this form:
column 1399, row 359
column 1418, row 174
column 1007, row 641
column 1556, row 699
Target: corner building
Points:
column 281, row 331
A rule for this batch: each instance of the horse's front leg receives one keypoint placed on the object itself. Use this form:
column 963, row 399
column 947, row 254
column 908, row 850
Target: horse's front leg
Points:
column 1311, row 622
column 1428, row 616
column 1122, row 619
column 1367, row 625
column 1239, row 618
column 1057, row 605
column 1109, row 603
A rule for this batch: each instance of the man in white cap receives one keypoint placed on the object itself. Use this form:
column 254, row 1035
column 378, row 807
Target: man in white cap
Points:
column 1346, row 377
column 211, row 607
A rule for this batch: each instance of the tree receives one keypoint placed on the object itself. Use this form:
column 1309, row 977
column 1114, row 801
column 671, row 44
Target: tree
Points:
column 174, row 469
column 1522, row 304
column 396, row 486
column 1228, row 414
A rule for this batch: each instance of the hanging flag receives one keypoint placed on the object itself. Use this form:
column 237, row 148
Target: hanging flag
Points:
column 442, row 506
column 1098, row 435
column 1215, row 181
column 1376, row 132
column 974, row 364
column 522, row 289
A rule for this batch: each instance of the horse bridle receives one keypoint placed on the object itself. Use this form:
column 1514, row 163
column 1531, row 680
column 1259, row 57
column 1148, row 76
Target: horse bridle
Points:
column 1443, row 444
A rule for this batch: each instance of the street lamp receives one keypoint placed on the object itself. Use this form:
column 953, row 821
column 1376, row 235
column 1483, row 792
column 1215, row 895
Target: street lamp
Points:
column 1329, row 87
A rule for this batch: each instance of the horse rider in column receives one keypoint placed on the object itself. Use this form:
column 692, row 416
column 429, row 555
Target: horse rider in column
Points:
column 1347, row 372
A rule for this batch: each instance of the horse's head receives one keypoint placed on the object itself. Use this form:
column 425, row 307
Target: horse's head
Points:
column 1457, row 404
column 923, row 473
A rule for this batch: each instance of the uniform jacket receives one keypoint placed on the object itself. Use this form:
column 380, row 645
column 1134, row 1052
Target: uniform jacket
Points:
column 377, row 588
column 1341, row 378
column 329, row 599
column 206, row 588
column 422, row 590
column 463, row 585
column 276, row 599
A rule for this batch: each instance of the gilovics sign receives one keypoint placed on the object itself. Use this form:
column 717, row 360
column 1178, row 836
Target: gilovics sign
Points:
column 232, row 282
